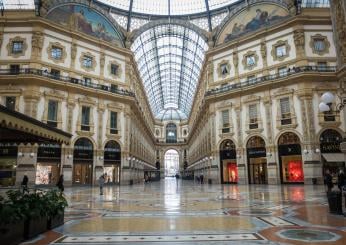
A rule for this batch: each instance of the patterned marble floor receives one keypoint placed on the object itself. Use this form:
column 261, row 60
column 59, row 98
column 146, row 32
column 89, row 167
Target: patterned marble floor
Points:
column 183, row 212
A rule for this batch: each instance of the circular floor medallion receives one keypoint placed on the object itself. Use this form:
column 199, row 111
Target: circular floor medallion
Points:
column 308, row 235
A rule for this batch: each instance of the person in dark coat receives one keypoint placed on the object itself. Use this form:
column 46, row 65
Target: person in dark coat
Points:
column 60, row 183
column 328, row 180
column 24, row 184
column 341, row 179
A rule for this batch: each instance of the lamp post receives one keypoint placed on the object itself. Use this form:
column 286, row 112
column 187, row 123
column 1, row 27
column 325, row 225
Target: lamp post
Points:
column 325, row 106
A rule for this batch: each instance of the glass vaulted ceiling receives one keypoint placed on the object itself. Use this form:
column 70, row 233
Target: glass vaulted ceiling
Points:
column 169, row 59
column 168, row 7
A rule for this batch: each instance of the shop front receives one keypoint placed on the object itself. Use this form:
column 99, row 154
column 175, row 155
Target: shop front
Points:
column 290, row 159
column 228, row 161
column 83, row 162
column 48, row 164
column 257, row 161
column 332, row 157
column 8, row 163
column 112, row 162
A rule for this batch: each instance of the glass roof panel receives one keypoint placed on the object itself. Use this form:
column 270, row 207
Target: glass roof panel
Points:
column 168, row 7
column 19, row 4
column 169, row 63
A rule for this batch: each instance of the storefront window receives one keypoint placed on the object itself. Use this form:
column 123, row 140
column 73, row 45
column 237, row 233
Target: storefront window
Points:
column 256, row 154
column 290, row 158
column 229, row 162
column 47, row 174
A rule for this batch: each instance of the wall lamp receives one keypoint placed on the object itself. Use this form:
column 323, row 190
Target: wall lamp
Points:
column 306, row 152
column 269, row 154
column 101, row 157
column 20, row 154
column 32, row 154
column 317, row 150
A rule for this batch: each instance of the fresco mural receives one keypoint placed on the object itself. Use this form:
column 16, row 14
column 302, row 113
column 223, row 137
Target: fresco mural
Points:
column 252, row 19
column 87, row 21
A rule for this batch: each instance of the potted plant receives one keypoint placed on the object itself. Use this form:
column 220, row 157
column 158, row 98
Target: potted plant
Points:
column 35, row 211
column 11, row 222
column 56, row 204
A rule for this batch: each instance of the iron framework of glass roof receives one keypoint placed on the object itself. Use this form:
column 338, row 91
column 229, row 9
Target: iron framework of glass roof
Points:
column 169, row 59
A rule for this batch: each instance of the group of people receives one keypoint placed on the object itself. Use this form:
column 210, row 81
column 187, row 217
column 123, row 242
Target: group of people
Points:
column 328, row 179
column 25, row 181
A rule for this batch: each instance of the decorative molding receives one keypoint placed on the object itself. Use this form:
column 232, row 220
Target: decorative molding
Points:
column 119, row 70
column 10, row 44
column 219, row 68
column 324, row 39
column 81, row 60
column 252, row 99
column 278, row 44
column 244, row 61
column 63, row 52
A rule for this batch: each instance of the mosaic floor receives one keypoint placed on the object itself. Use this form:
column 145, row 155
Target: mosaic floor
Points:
column 184, row 212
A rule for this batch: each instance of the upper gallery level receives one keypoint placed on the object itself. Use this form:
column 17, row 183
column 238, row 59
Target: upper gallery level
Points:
column 301, row 45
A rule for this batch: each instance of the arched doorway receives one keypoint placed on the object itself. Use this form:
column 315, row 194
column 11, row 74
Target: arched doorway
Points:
column 112, row 162
column 171, row 163
column 257, row 161
column 83, row 162
column 48, row 164
column 171, row 133
column 228, row 160
column 332, row 157
column 290, row 158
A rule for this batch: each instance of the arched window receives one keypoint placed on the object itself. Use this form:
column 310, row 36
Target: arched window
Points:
column 171, row 133
column 330, row 141
column 112, row 151
column 255, row 142
column 83, row 149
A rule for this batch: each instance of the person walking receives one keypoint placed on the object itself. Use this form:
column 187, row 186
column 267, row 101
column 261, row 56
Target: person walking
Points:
column 101, row 183
column 60, row 183
column 341, row 179
column 328, row 180
column 24, row 184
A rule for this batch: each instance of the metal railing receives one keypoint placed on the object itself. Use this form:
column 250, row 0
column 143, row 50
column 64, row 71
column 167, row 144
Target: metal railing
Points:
column 44, row 73
column 264, row 79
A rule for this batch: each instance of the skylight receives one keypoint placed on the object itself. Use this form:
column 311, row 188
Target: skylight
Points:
column 169, row 59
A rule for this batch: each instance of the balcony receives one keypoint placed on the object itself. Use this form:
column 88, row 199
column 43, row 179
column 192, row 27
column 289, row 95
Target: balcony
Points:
column 265, row 79
column 41, row 73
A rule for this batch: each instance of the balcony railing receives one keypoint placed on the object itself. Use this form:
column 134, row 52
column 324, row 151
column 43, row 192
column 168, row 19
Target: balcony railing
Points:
column 273, row 77
column 54, row 76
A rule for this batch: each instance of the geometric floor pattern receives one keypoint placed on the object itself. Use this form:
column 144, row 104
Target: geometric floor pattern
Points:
column 184, row 212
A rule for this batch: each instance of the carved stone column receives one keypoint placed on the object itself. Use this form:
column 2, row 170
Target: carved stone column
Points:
column 26, row 163
column 69, row 112
column 236, row 64
column 312, row 163
column 272, row 156
column 299, row 42
column 67, row 164
column 32, row 96
column 37, row 44
column 264, row 57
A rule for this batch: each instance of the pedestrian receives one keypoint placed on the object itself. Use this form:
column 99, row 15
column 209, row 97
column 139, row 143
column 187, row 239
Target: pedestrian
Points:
column 201, row 178
column 101, row 183
column 60, row 183
column 328, row 180
column 24, row 184
column 341, row 179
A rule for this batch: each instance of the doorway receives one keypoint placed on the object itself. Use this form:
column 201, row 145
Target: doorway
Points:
column 171, row 163
column 82, row 173
column 257, row 161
